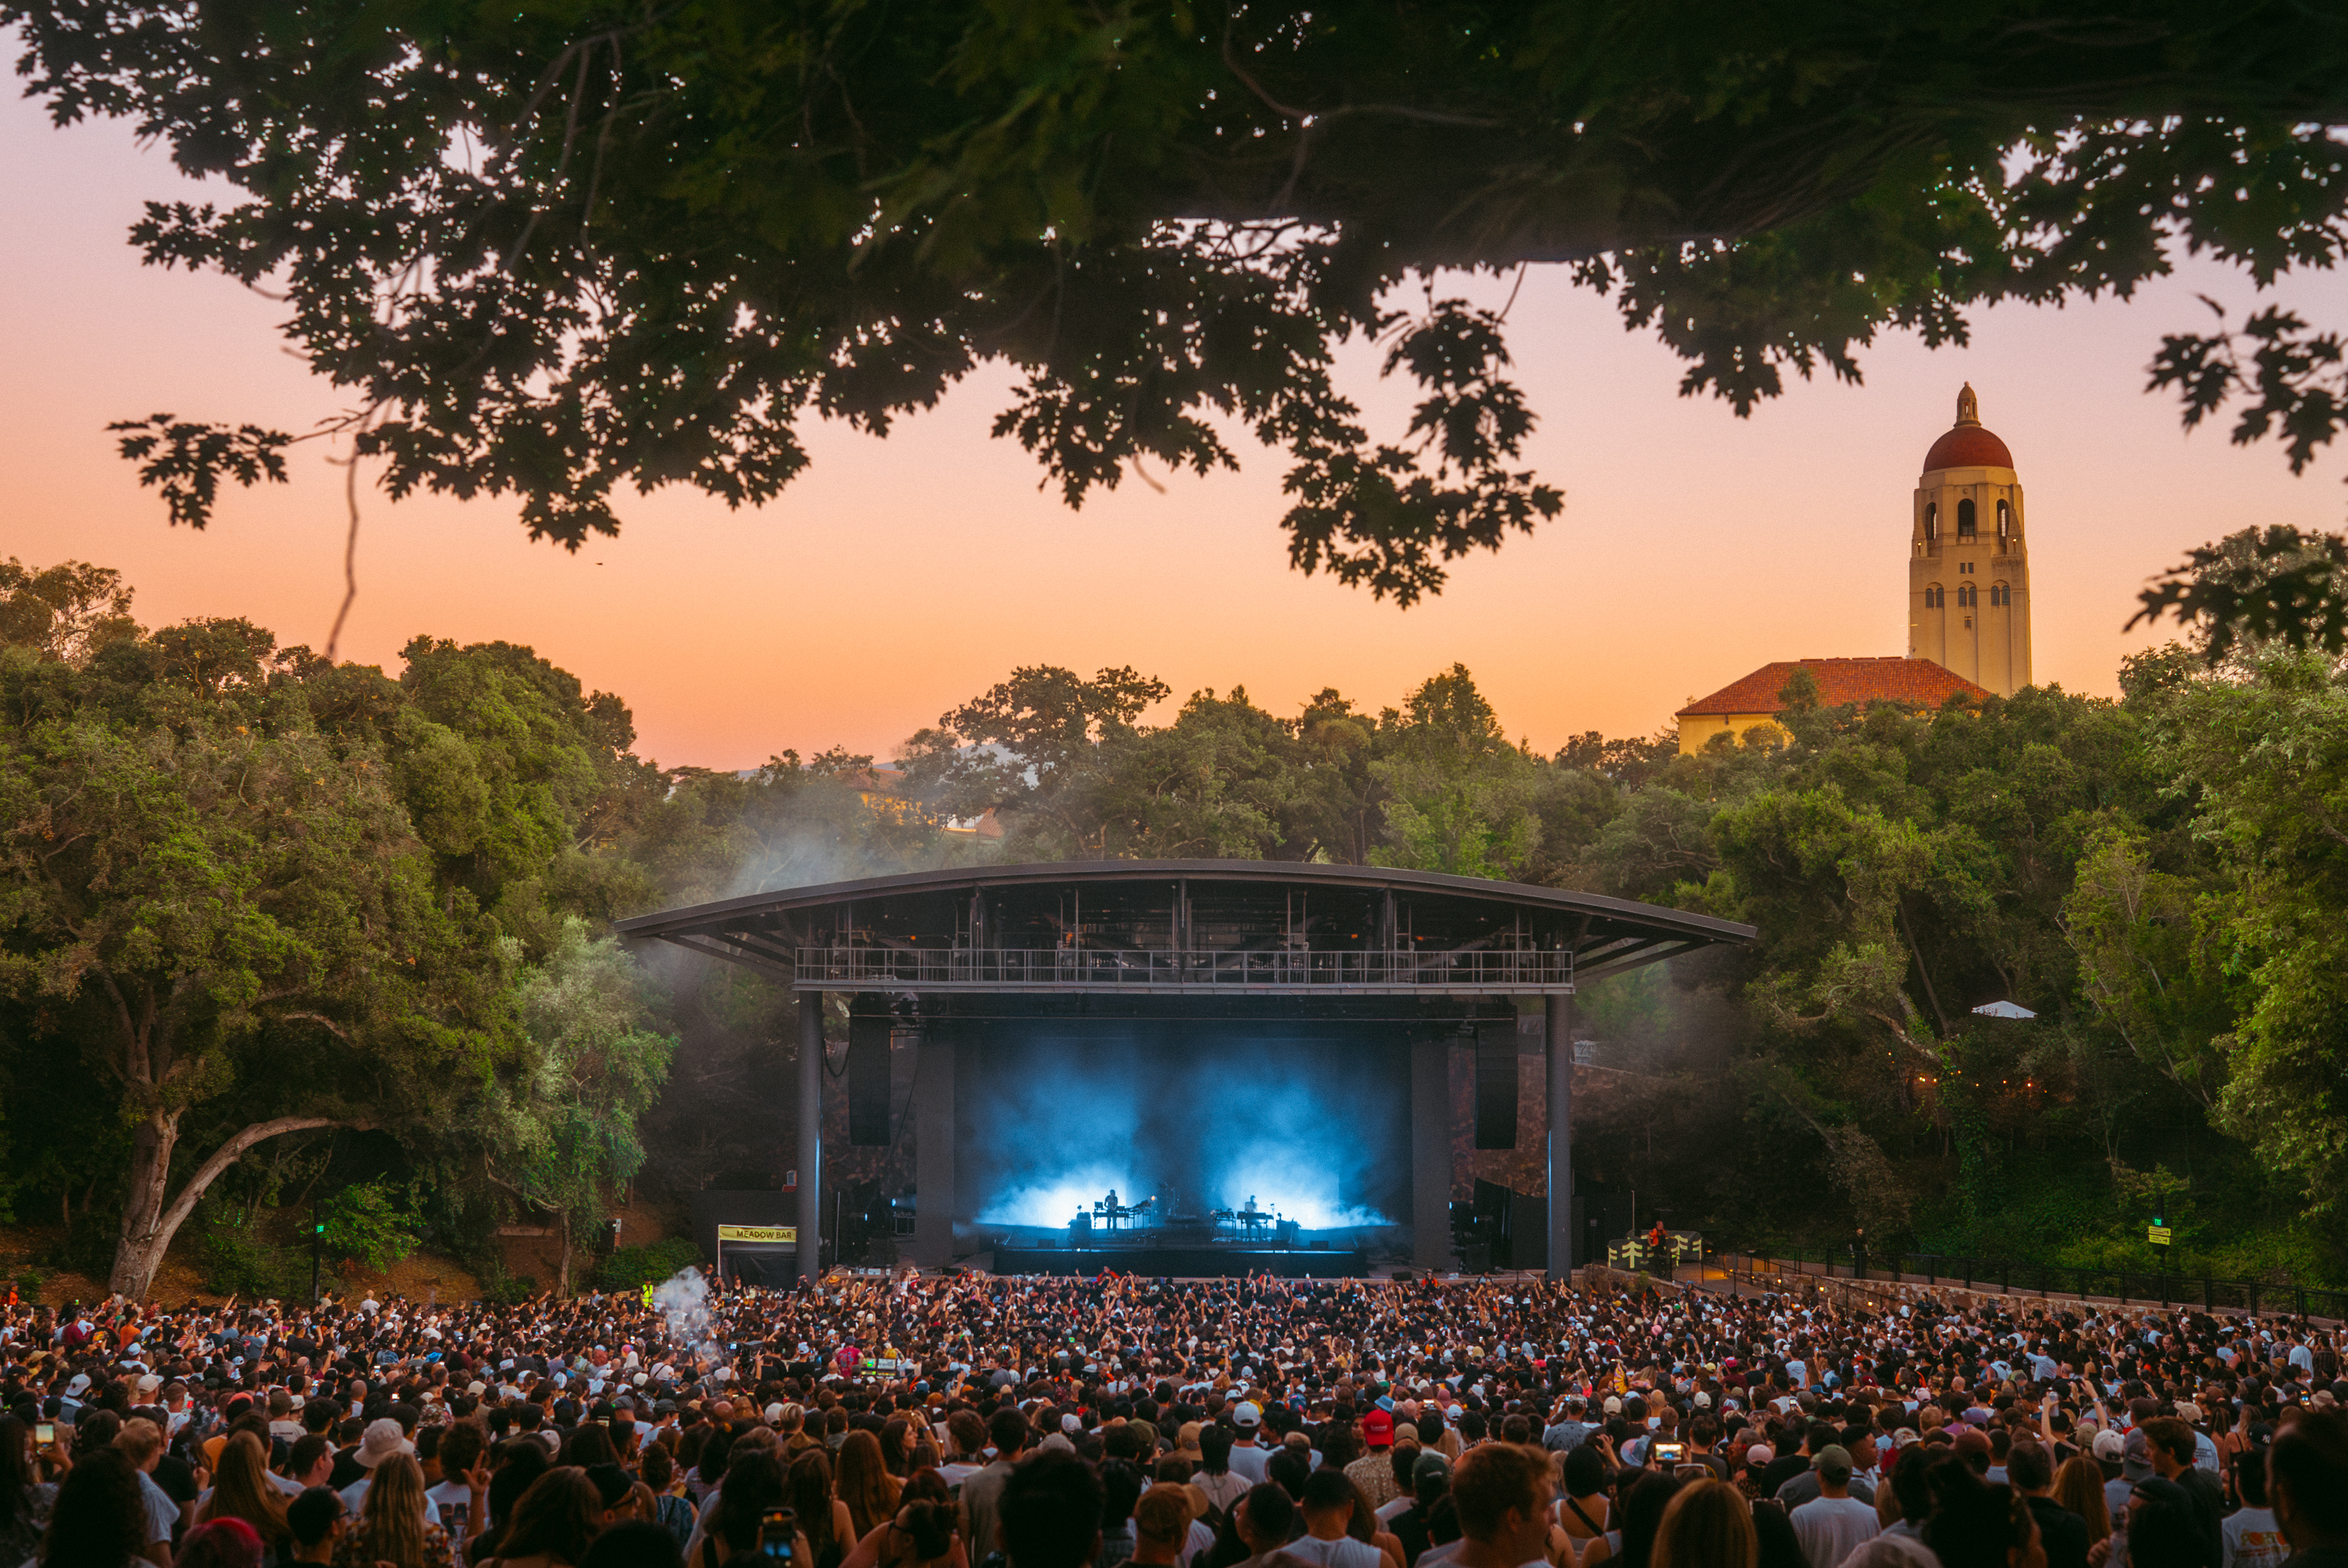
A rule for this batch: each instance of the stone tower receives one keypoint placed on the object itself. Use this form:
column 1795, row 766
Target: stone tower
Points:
column 1969, row 568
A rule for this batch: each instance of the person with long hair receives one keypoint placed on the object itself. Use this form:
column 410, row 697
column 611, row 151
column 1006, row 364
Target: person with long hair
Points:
column 100, row 1518
column 1983, row 1524
column 519, row 1463
column 897, row 1446
column 671, row 1511
column 1643, row 1516
column 921, row 1535
column 735, row 1517
column 25, row 1499
column 823, row 1518
column 242, row 1489
column 2079, row 1487
column 391, row 1527
column 865, row 1484
column 554, row 1523
column 1707, row 1524
column 1584, row 1511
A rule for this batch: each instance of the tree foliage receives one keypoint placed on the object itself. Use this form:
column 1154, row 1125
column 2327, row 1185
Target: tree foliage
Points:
column 247, row 895
column 552, row 252
column 559, row 1135
column 333, row 898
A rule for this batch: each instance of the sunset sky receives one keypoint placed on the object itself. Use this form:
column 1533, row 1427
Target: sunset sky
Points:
column 900, row 577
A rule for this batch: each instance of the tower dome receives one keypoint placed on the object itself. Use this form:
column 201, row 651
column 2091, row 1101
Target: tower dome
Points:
column 1965, row 444
column 1969, row 560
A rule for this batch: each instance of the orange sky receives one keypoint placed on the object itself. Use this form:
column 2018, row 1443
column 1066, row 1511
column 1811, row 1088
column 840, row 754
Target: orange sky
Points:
column 898, row 578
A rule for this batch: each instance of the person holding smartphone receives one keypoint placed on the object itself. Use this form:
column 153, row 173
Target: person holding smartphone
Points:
column 26, row 1499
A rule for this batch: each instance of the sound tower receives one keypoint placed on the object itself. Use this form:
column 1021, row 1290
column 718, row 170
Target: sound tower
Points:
column 867, row 1082
column 1496, row 1086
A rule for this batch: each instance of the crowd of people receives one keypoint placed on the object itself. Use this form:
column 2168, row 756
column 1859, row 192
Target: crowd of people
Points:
column 984, row 1422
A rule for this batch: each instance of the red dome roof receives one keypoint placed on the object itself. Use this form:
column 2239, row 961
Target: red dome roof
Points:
column 1968, row 447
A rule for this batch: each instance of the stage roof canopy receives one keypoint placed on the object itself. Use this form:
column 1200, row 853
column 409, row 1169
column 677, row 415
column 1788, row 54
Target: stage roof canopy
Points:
column 1189, row 927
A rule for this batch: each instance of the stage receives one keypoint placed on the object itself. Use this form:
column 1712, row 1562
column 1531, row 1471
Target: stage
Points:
column 1265, row 1050
column 1184, row 1262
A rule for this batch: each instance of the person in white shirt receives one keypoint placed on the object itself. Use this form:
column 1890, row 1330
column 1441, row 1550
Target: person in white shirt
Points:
column 1834, row 1524
column 1328, row 1504
column 460, row 1500
column 142, row 1442
column 1247, row 1459
column 2251, row 1536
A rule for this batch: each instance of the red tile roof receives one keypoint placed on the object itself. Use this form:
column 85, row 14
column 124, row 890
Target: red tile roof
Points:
column 1841, row 681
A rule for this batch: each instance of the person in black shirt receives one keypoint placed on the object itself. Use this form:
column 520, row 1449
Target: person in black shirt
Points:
column 2062, row 1533
column 1430, row 1480
column 2169, row 1447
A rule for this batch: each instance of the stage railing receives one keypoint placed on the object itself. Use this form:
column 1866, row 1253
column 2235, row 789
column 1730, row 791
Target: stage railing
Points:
column 1028, row 969
column 1633, row 1253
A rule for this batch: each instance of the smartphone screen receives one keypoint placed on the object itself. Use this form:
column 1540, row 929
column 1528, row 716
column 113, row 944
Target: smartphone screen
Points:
column 1670, row 1453
column 44, row 1433
column 776, row 1529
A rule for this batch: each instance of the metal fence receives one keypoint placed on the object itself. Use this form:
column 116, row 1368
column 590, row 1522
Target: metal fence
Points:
column 2009, row 1276
column 1015, row 968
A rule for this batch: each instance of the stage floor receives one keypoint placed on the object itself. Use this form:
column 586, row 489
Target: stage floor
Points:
column 1185, row 1263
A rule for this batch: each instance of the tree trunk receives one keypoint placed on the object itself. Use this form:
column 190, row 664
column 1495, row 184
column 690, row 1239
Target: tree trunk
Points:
column 138, row 1251
column 566, row 1255
column 148, row 1223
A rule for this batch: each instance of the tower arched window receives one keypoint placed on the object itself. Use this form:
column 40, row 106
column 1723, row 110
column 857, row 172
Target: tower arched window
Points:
column 1932, row 598
column 1968, row 525
column 1932, row 521
column 1999, row 593
column 1965, row 593
column 2006, row 519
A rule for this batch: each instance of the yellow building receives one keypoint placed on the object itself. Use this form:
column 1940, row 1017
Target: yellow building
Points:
column 1748, row 704
column 1968, row 601
column 1968, row 566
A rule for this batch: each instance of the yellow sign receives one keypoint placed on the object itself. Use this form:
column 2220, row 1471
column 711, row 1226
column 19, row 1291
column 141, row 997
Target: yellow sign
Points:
column 790, row 1233
column 2158, row 1234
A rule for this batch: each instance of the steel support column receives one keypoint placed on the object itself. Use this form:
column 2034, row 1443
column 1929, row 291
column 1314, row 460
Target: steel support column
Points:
column 810, row 1139
column 1430, row 1155
column 1559, row 1021
column 933, row 1150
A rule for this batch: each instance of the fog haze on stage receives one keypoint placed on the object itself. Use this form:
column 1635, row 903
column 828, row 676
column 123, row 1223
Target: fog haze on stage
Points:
column 1200, row 1116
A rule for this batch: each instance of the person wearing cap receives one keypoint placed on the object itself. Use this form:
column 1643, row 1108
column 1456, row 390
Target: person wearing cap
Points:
column 1430, row 1479
column 380, row 1440
column 1833, row 1525
column 1248, row 1457
column 1373, row 1471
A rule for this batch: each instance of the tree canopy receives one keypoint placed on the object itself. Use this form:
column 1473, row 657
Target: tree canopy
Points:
column 555, row 251
column 253, row 902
